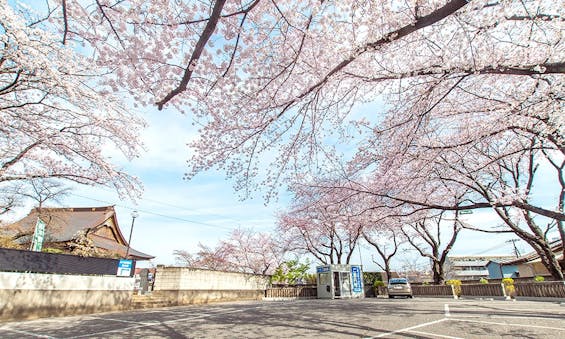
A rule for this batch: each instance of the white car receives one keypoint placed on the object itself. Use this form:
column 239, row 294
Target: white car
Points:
column 399, row 287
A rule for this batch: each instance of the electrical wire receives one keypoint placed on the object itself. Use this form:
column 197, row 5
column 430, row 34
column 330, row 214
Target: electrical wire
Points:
column 154, row 213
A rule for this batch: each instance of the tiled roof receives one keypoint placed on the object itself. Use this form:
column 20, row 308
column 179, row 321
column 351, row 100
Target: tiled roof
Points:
column 113, row 246
column 62, row 224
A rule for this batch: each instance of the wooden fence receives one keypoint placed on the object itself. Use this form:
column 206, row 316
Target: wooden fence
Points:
column 432, row 290
column 482, row 290
column 298, row 292
column 553, row 289
column 548, row 289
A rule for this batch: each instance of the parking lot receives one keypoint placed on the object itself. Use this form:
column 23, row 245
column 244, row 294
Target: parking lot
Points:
column 358, row 318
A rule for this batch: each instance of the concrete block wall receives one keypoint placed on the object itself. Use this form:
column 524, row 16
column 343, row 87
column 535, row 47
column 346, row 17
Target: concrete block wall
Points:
column 34, row 295
column 183, row 285
column 185, row 278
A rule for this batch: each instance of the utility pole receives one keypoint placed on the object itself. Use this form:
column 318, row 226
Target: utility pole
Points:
column 513, row 241
column 134, row 215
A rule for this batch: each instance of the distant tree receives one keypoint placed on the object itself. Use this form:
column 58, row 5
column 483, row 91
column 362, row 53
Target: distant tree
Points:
column 386, row 242
column 184, row 258
column 244, row 251
column 513, row 178
column 8, row 241
column 43, row 190
column 291, row 272
column 369, row 278
column 426, row 236
column 324, row 226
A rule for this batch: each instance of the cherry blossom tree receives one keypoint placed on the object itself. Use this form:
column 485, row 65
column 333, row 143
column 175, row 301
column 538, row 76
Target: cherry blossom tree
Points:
column 55, row 122
column 43, row 190
column 284, row 77
column 517, row 176
column 320, row 225
column 288, row 79
column 498, row 172
column 244, row 251
column 386, row 241
column 426, row 236
column 9, row 201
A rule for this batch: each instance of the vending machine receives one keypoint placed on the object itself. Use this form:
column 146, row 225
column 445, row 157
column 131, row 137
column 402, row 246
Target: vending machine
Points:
column 339, row 281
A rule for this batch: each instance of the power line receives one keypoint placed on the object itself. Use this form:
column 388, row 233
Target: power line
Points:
column 491, row 248
column 154, row 213
column 182, row 208
column 513, row 241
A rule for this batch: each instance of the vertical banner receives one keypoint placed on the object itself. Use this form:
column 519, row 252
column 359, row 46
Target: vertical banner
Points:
column 357, row 279
column 38, row 236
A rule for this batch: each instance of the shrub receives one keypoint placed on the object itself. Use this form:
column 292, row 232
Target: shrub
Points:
column 369, row 278
column 507, row 281
column 378, row 283
column 52, row 250
column 8, row 242
column 379, row 287
column 310, row 278
column 456, row 286
column 509, row 287
column 291, row 272
column 483, row 281
column 539, row 278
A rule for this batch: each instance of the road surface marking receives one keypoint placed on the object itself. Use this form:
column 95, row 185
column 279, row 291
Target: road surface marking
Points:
column 446, row 308
column 141, row 325
column 508, row 324
column 27, row 333
column 408, row 329
column 434, row 335
column 126, row 321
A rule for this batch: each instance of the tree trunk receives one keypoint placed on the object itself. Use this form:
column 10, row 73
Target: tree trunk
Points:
column 437, row 270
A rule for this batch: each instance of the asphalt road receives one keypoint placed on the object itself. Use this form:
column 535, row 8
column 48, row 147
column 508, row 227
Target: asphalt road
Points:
column 359, row 318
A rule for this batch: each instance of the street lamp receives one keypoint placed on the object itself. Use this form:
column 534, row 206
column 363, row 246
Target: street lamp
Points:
column 134, row 215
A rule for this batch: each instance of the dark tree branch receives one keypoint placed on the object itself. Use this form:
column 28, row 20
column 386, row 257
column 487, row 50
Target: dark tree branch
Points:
column 198, row 49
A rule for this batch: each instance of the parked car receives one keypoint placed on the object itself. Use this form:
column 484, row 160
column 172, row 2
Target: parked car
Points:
column 399, row 287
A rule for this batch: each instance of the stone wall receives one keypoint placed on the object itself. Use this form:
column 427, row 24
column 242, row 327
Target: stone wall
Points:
column 34, row 295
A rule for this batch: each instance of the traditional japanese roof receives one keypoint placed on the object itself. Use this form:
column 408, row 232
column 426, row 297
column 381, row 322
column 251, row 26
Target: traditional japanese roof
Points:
column 63, row 224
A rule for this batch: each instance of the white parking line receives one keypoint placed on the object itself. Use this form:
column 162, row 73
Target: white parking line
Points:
column 446, row 309
column 408, row 329
column 508, row 324
column 125, row 321
column 434, row 335
column 141, row 325
column 26, row 333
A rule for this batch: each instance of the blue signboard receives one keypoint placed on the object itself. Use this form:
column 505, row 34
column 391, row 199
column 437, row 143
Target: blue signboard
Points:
column 356, row 279
column 124, row 268
column 322, row 269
